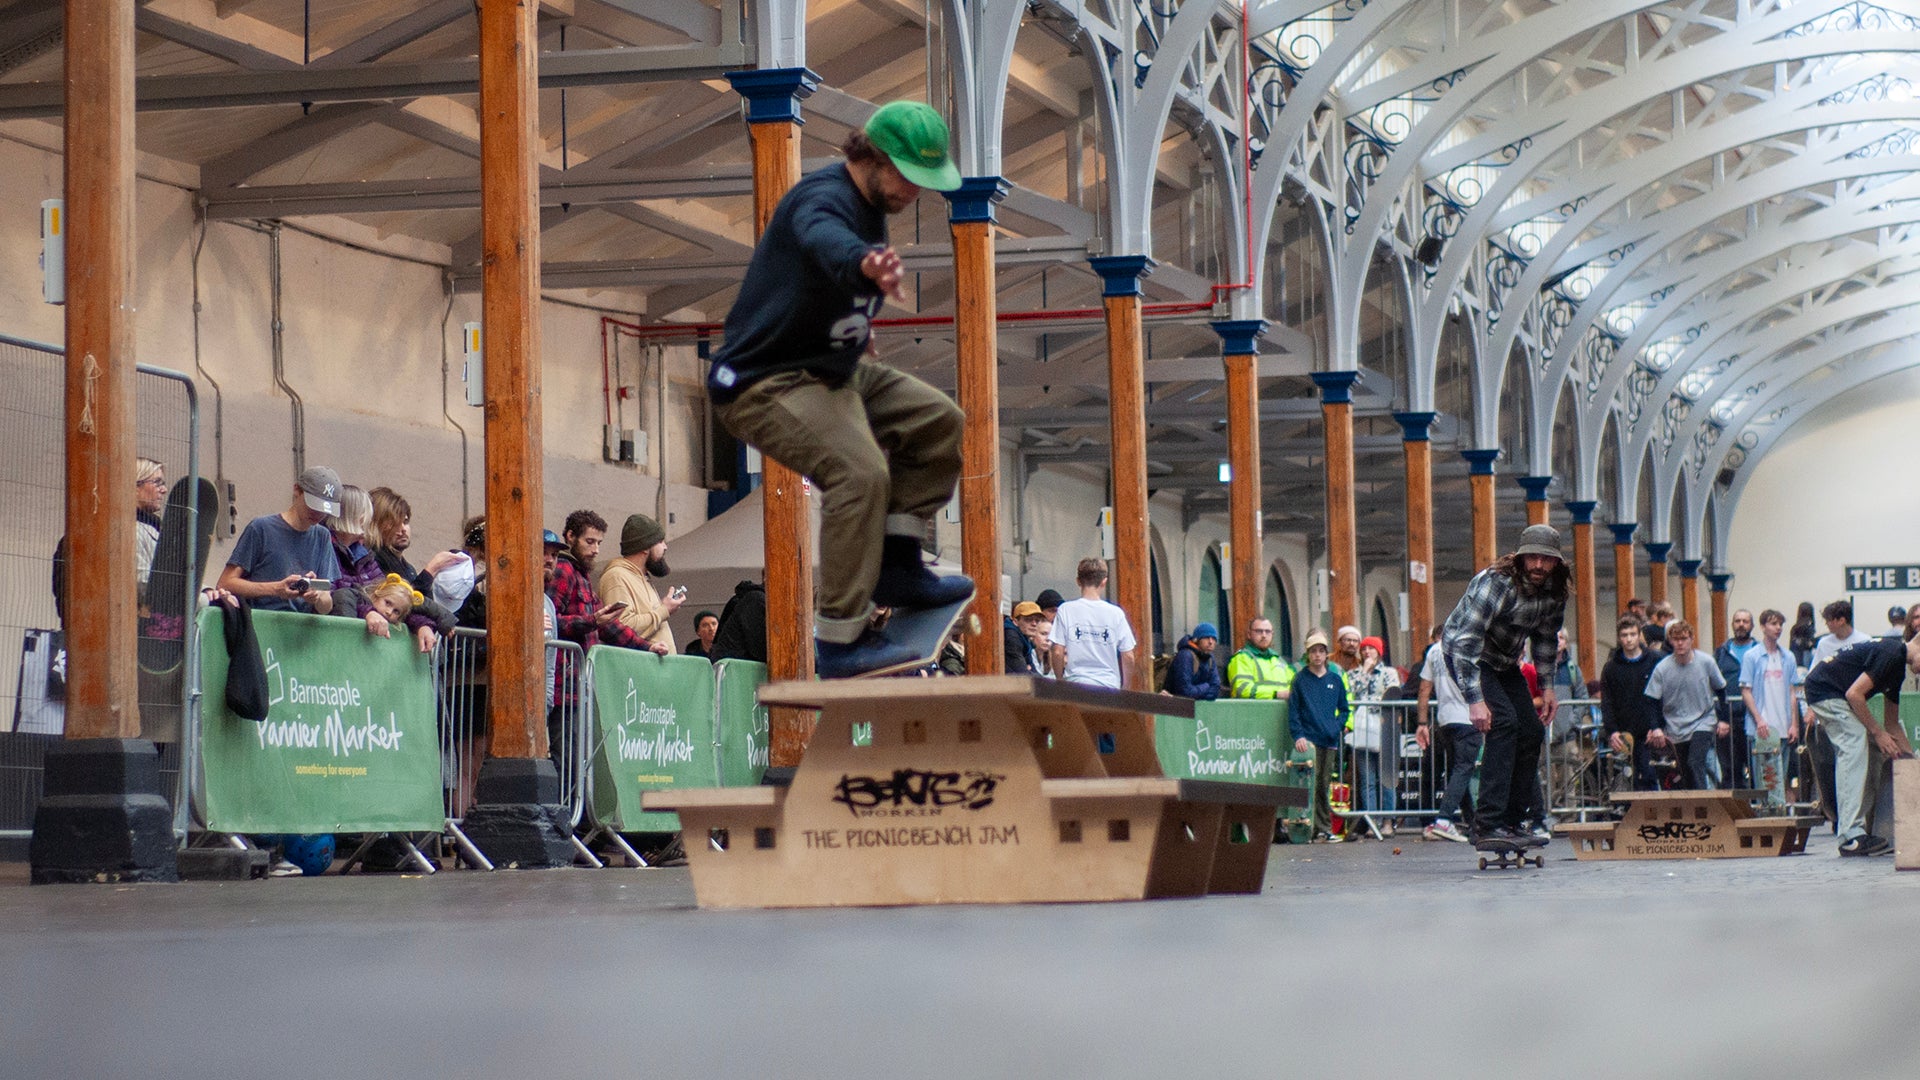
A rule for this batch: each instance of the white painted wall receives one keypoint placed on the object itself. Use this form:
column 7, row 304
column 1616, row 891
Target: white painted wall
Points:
column 1837, row 490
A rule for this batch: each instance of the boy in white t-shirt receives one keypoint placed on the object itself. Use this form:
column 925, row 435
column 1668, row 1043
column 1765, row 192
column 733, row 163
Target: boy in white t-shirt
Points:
column 1459, row 742
column 1091, row 641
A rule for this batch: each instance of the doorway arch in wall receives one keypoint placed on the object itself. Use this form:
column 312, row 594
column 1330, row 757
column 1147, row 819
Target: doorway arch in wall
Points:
column 1278, row 608
column 1211, row 604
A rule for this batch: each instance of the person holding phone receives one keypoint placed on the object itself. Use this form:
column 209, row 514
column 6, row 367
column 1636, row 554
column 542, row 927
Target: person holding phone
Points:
column 629, row 581
column 278, row 557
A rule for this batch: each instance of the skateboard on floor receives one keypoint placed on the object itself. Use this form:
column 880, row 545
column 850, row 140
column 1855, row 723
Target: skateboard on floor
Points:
column 1505, row 855
column 924, row 630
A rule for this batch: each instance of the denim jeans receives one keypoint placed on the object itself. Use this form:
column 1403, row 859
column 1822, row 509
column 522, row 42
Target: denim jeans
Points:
column 1510, row 767
column 1463, row 745
column 1371, row 793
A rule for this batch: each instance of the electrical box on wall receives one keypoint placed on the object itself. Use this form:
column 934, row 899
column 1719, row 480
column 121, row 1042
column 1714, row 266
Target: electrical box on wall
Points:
column 472, row 368
column 625, row 445
column 53, row 250
column 1105, row 524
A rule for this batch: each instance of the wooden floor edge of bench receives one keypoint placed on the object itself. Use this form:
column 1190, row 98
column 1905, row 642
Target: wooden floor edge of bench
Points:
column 1779, row 822
column 1582, row 828
column 744, row 798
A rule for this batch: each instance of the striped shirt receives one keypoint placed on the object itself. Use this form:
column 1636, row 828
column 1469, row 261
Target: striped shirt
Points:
column 1494, row 620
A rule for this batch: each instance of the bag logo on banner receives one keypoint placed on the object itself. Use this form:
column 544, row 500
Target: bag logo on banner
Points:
column 651, row 733
column 340, row 736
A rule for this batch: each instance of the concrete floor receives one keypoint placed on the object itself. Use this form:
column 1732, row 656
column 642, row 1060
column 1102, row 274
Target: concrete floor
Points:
column 1354, row 962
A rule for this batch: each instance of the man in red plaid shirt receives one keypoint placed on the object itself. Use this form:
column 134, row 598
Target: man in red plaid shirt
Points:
column 578, row 615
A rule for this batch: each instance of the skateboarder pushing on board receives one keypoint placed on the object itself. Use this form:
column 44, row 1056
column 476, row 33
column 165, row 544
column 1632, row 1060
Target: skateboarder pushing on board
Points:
column 1517, row 603
column 796, row 380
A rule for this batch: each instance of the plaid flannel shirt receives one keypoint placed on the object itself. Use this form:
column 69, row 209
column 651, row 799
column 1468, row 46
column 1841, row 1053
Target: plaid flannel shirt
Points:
column 574, row 603
column 1494, row 619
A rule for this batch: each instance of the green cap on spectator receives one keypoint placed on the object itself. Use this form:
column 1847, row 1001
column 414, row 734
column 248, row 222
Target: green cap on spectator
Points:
column 914, row 137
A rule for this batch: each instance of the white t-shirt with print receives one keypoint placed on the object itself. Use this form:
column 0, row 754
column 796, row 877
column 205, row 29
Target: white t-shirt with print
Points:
column 1448, row 704
column 1094, row 634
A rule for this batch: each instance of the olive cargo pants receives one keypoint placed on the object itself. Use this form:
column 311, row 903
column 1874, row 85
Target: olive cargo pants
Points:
column 884, row 450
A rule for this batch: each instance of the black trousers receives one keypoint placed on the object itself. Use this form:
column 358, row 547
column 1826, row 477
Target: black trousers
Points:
column 1510, row 764
column 1736, row 760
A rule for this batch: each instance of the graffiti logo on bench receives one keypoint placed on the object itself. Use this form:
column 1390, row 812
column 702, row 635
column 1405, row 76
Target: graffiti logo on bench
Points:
column 915, row 792
column 1676, row 830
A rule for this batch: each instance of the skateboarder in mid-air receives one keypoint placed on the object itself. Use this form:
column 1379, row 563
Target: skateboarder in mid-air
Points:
column 1517, row 603
column 796, row 381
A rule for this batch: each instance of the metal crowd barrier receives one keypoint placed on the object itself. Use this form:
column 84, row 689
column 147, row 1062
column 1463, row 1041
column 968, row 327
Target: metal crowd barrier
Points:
column 460, row 688
column 1394, row 781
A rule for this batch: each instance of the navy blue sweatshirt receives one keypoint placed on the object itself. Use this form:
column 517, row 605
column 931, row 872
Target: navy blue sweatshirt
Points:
column 804, row 304
column 1317, row 711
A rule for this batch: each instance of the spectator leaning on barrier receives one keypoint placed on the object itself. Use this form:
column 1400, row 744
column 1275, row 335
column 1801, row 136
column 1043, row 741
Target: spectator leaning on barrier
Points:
column 1515, row 605
column 743, row 625
column 1256, row 671
column 284, row 561
column 1838, row 690
column 1018, row 653
column 705, row 625
column 1091, row 641
column 581, row 618
column 1733, row 749
column 358, row 565
column 1687, row 686
column 629, row 581
column 1629, row 721
column 1456, row 750
column 1195, row 672
column 1317, row 715
column 390, row 534
column 384, row 604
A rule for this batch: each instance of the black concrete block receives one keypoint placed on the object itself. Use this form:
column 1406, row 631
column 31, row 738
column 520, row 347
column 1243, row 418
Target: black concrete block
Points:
column 523, row 836
column 517, row 780
column 103, row 816
column 222, row 864
column 96, row 766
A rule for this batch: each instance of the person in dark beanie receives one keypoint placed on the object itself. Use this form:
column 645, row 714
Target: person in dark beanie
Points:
column 1195, row 673
column 1512, row 607
column 1049, row 601
column 629, row 580
column 795, row 381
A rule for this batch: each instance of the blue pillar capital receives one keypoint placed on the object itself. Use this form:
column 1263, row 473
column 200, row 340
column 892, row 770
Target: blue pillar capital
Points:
column 973, row 201
column 1582, row 510
column 1689, row 568
column 1239, row 337
column 1480, row 462
column 1336, row 387
column 1535, row 487
column 1718, row 582
column 1623, row 531
column 774, row 93
column 1657, row 550
column 1120, row 274
column 1415, row 426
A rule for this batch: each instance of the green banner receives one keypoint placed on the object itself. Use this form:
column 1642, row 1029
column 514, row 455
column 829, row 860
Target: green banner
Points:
column 350, row 742
column 655, row 719
column 1239, row 740
column 744, row 733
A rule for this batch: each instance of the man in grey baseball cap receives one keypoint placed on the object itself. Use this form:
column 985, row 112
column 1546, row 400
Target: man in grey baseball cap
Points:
column 1513, row 607
column 285, row 561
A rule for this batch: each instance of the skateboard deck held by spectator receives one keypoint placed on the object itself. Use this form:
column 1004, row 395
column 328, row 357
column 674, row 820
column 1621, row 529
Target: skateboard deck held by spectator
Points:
column 924, row 630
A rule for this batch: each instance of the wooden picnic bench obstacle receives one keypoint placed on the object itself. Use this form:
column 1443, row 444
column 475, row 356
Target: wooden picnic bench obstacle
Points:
column 1688, row 825
column 987, row 789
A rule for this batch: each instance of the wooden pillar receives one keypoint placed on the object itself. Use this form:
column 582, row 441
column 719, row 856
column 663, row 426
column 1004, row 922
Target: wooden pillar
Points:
column 1690, row 597
column 102, row 686
column 1536, row 489
column 1414, row 430
column 1485, row 527
column 773, row 127
column 977, row 351
column 1238, row 346
column 1586, row 591
column 1623, row 564
column 1343, row 550
column 510, row 329
column 1657, row 570
column 1126, row 403
column 1717, row 605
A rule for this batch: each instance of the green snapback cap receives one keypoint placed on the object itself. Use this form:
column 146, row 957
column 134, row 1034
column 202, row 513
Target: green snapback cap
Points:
column 914, row 138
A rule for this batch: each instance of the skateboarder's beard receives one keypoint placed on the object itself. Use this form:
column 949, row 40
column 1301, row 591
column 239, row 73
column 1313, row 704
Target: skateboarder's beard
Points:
column 657, row 567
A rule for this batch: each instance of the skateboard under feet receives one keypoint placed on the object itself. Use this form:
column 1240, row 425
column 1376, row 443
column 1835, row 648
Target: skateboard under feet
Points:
column 1505, row 855
column 924, row 630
